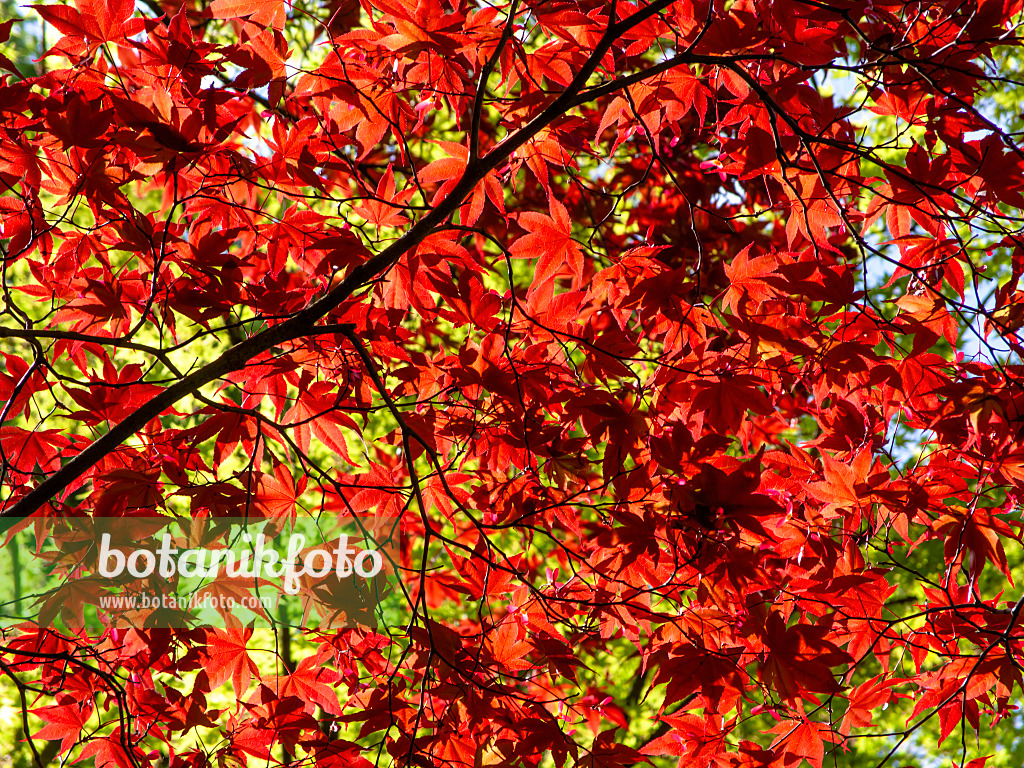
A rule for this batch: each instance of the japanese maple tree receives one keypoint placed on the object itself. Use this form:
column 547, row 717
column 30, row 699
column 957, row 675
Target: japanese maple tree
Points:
column 681, row 338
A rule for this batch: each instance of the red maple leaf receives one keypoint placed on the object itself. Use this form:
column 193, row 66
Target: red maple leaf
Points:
column 227, row 658
column 549, row 240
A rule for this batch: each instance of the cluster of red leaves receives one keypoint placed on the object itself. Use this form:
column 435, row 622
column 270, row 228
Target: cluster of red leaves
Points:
column 577, row 290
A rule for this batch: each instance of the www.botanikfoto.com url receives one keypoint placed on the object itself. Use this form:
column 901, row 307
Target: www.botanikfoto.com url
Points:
column 184, row 603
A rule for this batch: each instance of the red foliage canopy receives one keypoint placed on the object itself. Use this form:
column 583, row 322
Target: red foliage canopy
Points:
column 681, row 337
